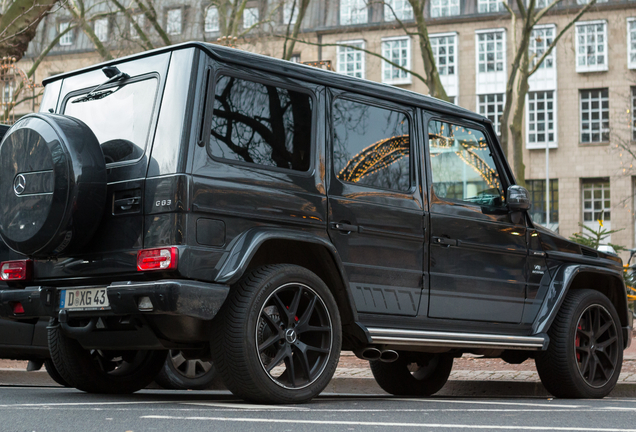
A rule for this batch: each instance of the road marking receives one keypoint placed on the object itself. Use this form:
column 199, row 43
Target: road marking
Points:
column 488, row 403
column 248, row 406
column 63, row 404
column 388, row 424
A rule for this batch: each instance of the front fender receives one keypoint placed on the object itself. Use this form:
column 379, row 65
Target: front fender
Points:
column 560, row 285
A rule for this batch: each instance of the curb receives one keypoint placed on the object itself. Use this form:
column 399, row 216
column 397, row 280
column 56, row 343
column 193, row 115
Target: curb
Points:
column 366, row 386
column 461, row 388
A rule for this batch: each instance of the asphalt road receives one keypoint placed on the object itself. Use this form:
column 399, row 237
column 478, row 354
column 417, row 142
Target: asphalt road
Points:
column 60, row 409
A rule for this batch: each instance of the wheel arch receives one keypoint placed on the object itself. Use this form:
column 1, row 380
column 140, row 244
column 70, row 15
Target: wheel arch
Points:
column 575, row 277
column 264, row 246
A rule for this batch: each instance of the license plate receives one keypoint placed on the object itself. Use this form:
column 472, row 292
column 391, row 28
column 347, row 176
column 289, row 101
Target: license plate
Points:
column 84, row 299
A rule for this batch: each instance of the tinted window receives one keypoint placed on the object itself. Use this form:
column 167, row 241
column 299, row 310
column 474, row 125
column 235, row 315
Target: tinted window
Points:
column 371, row 145
column 120, row 118
column 462, row 165
column 261, row 124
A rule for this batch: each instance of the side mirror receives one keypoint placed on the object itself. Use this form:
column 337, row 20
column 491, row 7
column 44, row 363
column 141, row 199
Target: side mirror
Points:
column 518, row 198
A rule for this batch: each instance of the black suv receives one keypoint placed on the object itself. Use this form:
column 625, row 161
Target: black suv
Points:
column 265, row 215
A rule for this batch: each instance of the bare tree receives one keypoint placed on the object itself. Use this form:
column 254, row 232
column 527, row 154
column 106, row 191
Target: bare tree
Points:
column 18, row 24
column 525, row 64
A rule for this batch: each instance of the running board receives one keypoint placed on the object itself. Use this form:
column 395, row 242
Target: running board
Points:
column 456, row 340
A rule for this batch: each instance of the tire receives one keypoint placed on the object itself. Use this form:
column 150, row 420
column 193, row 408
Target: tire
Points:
column 52, row 185
column 54, row 374
column 179, row 373
column 585, row 354
column 274, row 311
column 95, row 371
column 413, row 374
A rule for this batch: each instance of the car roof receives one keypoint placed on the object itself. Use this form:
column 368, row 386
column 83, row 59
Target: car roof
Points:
column 302, row 72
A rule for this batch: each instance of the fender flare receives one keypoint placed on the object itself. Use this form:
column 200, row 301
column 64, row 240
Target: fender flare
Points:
column 247, row 244
column 560, row 285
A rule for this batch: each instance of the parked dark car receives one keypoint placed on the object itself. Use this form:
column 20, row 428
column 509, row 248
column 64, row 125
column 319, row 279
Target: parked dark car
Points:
column 265, row 215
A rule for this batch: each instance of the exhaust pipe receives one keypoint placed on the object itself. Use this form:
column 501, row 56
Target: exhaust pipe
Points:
column 368, row 353
column 389, row 356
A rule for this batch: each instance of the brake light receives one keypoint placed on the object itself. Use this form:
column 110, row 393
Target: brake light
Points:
column 16, row 270
column 157, row 259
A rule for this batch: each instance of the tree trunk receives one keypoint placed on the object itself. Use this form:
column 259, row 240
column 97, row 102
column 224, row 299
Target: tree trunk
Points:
column 288, row 51
column 433, row 82
column 150, row 13
column 516, row 127
column 19, row 23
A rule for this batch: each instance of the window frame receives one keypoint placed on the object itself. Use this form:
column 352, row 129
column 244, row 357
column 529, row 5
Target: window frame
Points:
column 595, row 68
column 275, row 80
column 500, row 7
column 70, row 34
column 390, row 16
column 349, row 22
column 104, row 19
column 172, row 10
column 589, row 120
column 364, row 62
column 440, row 8
column 494, row 123
column 205, row 17
column 409, row 58
column 382, row 104
column 153, row 117
column 593, row 182
column 630, row 64
column 447, row 77
column 554, row 144
column 257, row 18
column 139, row 19
column 632, row 90
column 505, row 175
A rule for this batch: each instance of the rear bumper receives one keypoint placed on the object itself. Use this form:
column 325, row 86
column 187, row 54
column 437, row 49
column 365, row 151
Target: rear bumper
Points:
column 169, row 297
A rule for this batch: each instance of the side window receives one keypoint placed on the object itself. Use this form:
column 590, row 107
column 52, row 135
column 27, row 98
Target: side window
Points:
column 462, row 166
column 261, row 124
column 371, row 145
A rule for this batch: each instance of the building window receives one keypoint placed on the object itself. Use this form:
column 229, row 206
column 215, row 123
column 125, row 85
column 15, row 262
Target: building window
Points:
column 250, row 17
column 584, row 2
column 67, row 38
column 492, row 106
column 491, row 51
column 631, row 43
column 537, row 197
column 541, row 124
column 397, row 8
column 444, row 52
column 290, row 12
column 7, row 92
column 540, row 40
column 489, row 6
column 101, row 29
column 295, row 58
column 444, row 8
column 591, row 46
column 596, row 201
column 351, row 60
column 633, row 113
column 397, row 50
column 595, row 116
column 211, row 22
column 353, row 12
column 140, row 20
column 173, row 22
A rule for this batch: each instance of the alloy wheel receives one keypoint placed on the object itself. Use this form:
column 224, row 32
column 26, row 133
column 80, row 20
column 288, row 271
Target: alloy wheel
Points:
column 294, row 335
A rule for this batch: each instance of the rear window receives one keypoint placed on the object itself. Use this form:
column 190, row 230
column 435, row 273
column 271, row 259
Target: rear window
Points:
column 120, row 120
column 261, row 124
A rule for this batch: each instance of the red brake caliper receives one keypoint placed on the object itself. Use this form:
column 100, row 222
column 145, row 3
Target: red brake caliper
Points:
column 577, row 342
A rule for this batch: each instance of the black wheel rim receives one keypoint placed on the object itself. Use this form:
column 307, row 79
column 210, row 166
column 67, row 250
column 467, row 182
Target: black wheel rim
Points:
column 294, row 336
column 596, row 346
column 191, row 369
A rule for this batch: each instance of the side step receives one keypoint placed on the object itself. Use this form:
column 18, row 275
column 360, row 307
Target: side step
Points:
column 386, row 336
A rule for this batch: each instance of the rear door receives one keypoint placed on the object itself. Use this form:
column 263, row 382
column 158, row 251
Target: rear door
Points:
column 477, row 252
column 375, row 204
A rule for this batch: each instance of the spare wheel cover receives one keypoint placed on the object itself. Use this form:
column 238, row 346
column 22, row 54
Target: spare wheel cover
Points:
column 52, row 185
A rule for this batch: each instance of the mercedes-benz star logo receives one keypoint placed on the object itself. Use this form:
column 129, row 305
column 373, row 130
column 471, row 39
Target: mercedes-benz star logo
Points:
column 19, row 184
column 290, row 336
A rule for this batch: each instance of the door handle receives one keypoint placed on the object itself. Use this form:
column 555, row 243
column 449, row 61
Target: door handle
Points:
column 445, row 241
column 344, row 227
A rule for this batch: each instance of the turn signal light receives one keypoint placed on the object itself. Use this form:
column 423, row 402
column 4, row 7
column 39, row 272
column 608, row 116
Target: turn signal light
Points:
column 157, row 259
column 16, row 270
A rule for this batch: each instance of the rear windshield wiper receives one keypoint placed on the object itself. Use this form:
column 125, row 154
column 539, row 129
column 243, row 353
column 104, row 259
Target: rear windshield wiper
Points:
column 113, row 75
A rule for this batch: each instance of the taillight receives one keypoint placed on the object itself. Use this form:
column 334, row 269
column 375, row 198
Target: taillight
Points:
column 157, row 259
column 16, row 270
column 17, row 308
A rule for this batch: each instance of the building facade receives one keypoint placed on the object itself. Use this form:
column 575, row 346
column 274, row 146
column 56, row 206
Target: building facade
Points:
column 581, row 104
